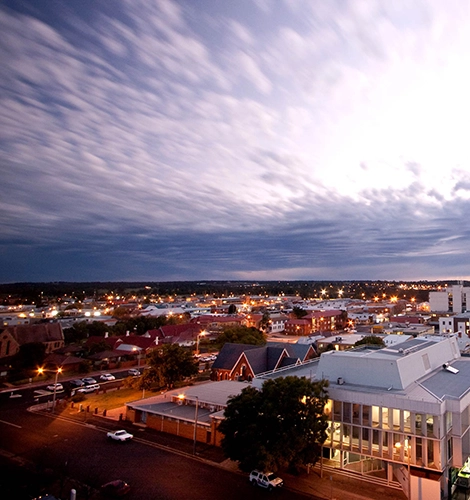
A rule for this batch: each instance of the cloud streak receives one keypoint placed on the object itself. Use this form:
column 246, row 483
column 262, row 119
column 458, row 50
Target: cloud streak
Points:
column 157, row 140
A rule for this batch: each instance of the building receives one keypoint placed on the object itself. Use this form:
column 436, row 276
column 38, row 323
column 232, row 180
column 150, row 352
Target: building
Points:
column 245, row 361
column 400, row 416
column 300, row 327
column 457, row 323
column 453, row 299
column 328, row 321
column 12, row 337
column 192, row 412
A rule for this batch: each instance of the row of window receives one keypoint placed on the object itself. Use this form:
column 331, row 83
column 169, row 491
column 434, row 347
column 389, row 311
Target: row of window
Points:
column 385, row 444
column 385, row 418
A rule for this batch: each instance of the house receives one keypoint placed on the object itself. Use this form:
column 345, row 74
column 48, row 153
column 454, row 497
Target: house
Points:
column 245, row 361
column 12, row 337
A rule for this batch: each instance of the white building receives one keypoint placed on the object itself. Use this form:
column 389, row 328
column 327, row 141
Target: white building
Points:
column 417, row 397
column 453, row 299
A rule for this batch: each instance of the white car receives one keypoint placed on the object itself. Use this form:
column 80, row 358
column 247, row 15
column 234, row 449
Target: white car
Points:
column 55, row 387
column 267, row 480
column 120, row 435
column 88, row 380
column 133, row 372
column 89, row 388
column 107, row 376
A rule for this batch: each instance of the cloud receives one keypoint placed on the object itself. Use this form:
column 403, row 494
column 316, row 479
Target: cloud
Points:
column 321, row 140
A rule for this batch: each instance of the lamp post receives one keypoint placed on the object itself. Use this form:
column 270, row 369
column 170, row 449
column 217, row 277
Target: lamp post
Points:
column 197, row 341
column 195, row 425
column 59, row 370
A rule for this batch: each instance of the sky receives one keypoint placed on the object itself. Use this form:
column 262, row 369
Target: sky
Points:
column 160, row 140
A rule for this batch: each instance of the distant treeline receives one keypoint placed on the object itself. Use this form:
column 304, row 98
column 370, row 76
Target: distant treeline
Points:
column 38, row 293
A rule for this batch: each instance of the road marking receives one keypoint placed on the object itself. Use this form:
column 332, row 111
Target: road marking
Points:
column 9, row 423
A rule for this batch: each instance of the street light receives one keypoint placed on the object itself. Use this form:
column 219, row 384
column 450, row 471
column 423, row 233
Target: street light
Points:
column 407, row 448
column 181, row 398
column 59, row 370
column 197, row 340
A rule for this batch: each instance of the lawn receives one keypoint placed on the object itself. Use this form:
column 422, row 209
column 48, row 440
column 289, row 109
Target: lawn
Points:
column 113, row 399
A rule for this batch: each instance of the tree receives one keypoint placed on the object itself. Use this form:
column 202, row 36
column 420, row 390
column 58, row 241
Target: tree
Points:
column 298, row 312
column 370, row 340
column 280, row 426
column 241, row 335
column 232, row 309
column 265, row 320
column 30, row 355
column 170, row 364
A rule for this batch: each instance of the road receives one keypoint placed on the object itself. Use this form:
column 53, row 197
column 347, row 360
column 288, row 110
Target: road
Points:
column 82, row 451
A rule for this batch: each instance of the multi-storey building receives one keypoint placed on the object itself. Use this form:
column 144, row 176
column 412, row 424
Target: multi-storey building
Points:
column 397, row 415
column 454, row 299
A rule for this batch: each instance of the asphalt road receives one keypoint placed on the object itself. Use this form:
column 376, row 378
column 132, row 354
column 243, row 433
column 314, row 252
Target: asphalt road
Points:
column 82, row 451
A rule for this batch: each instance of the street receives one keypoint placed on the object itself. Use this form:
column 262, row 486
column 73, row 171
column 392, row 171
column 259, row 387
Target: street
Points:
column 81, row 451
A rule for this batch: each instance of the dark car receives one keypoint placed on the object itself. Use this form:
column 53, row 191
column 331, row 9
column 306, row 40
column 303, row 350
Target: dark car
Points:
column 115, row 489
column 77, row 383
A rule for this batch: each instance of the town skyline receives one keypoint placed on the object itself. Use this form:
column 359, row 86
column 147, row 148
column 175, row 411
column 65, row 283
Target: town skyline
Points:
column 169, row 141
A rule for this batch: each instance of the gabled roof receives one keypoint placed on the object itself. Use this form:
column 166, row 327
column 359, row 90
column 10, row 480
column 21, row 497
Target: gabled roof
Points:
column 300, row 351
column 260, row 358
column 229, row 355
column 41, row 332
column 134, row 340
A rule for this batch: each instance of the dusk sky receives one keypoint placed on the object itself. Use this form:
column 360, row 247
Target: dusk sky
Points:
column 152, row 140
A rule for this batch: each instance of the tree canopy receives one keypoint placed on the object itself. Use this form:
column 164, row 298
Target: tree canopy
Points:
column 298, row 312
column 241, row 335
column 280, row 426
column 168, row 365
column 371, row 339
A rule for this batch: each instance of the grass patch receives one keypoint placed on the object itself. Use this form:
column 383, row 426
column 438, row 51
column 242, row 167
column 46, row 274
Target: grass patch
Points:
column 112, row 399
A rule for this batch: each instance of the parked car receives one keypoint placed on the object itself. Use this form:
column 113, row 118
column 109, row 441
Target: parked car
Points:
column 107, row 376
column 120, row 435
column 76, row 383
column 267, row 480
column 55, row 387
column 133, row 372
column 89, row 388
column 88, row 380
column 115, row 489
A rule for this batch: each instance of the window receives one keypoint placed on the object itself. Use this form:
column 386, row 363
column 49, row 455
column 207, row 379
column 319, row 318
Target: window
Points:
column 366, row 415
column 449, row 449
column 7, row 350
column 347, row 412
column 375, row 416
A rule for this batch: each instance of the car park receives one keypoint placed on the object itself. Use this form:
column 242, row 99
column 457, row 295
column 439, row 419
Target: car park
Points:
column 107, row 376
column 88, row 380
column 115, row 489
column 267, row 480
column 55, row 387
column 133, row 372
column 89, row 388
column 120, row 435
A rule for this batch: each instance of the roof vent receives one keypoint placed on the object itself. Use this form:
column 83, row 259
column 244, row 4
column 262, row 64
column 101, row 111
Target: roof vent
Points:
column 340, row 380
column 449, row 368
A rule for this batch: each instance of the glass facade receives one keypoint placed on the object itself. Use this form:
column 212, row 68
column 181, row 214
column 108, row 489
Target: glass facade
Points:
column 385, row 433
